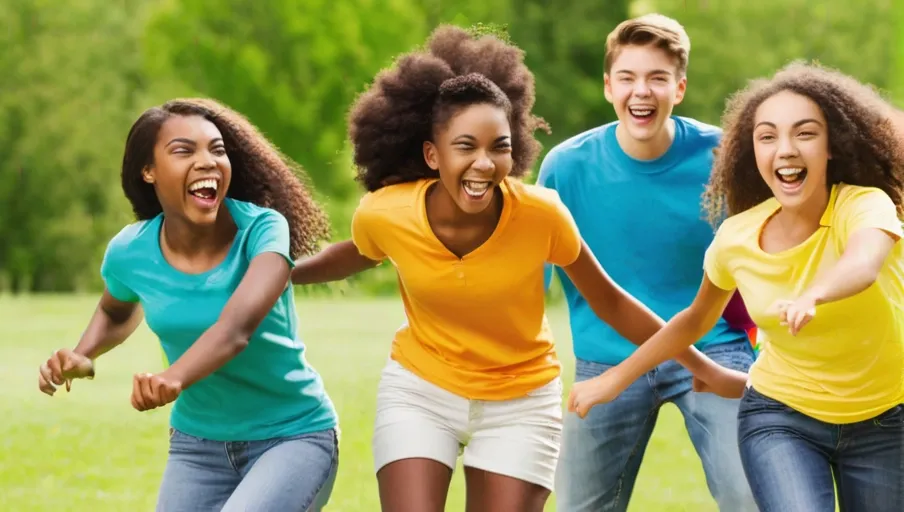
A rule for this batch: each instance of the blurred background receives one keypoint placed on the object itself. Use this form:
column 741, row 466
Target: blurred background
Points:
column 75, row 74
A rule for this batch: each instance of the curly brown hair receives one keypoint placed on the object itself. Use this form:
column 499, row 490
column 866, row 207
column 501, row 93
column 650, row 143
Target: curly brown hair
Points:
column 866, row 149
column 261, row 174
column 389, row 123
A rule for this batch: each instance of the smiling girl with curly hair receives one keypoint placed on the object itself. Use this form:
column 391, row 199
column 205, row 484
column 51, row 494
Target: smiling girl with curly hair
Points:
column 221, row 217
column 810, row 173
column 439, row 141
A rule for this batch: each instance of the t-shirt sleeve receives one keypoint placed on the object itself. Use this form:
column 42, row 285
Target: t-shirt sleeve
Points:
column 113, row 270
column 714, row 263
column 566, row 242
column 364, row 228
column 866, row 208
column 270, row 233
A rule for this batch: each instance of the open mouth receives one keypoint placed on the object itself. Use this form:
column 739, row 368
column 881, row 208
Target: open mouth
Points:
column 791, row 178
column 476, row 189
column 205, row 192
column 642, row 112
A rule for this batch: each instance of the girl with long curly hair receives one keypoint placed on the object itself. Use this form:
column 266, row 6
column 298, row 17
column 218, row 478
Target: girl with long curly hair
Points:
column 440, row 140
column 809, row 174
column 222, row 216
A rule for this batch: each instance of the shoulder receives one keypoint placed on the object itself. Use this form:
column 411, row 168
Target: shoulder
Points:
column 699, row 133
column 391, row 200
column 133, row 239
column 741, row 228
column 575, row 150
column 533, row 198
column 698, row 139
column 855, row 197
column 247, row 214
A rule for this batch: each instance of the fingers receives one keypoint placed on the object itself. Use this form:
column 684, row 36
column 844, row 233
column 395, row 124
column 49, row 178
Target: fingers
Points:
column 45, row 383
column 151, row 391
column 137, row 397
column 55, row 363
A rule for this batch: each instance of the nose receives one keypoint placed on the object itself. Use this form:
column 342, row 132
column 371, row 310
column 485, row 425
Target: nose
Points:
column 483, row 163
column 641, row 88
column 205, row 160
column 786, row 148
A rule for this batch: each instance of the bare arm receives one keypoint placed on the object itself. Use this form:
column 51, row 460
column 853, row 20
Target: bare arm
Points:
column 624, row 313
column 682, row 331
column 856, row 270
column 265, row 280
column 113, row 321
column 335, row 263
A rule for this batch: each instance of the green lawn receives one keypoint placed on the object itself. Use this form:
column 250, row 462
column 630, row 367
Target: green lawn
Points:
column 89, row 450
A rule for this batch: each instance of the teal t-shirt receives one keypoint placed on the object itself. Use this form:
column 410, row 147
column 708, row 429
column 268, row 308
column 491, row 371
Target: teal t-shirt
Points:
column 269, row 390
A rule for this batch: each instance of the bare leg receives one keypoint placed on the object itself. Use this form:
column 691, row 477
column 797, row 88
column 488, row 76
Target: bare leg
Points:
column 492, row 492
column 414, row 485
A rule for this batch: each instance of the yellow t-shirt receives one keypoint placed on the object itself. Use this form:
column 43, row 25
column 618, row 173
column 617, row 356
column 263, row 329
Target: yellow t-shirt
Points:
column 476, row 326
column 847, row 364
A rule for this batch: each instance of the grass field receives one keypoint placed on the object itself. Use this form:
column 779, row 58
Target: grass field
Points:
column 89, row 450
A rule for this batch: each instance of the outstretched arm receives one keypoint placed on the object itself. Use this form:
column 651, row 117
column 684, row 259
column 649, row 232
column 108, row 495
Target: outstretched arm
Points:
column 113, row 321
column 335, row 263
column 857, row 269
column 265, row 280
column 679, row 333
column 613, row 305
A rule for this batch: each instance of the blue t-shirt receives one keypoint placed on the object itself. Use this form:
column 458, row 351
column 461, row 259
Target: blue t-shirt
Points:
column 644, row 222
column 267, row 391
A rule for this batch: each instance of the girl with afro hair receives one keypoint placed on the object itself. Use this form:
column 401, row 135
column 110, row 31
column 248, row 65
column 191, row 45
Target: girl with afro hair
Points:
column 221, row 218
column 440, row 141
column 809, row 173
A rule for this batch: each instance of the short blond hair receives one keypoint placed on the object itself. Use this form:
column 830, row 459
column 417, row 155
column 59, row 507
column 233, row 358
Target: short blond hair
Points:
column 650, row 30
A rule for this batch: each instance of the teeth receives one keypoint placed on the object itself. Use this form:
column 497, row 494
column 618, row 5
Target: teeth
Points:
column 789, row 171
column 641, row 111
column 475, row 188
column 208, row 183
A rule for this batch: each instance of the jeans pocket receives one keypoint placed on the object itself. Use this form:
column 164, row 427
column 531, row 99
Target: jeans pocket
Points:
column 892, row 418
column 753, row 402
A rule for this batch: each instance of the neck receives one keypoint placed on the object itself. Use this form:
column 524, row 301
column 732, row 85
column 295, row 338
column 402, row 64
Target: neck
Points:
column 806, row 216
column 442, row 209
column 183, row 237
column 647, row 149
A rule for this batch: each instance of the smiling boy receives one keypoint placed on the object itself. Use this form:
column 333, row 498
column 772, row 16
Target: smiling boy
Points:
column 634, row 187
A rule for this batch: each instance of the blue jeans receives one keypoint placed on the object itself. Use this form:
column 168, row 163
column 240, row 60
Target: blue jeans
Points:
column 292, row 474
column 794, row 461
column 601, row 454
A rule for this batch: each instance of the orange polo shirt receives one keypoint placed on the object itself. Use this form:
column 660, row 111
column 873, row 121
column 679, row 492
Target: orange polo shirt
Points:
column 477, row 325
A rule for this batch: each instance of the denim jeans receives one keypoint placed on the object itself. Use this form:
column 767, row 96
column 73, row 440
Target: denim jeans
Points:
column 293, row 474
column 601, row 454
column 794, row 461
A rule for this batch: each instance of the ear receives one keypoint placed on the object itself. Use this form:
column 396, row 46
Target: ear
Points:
column 680, row 90
column 607, row 87
column 431, row 156
column 147, row 174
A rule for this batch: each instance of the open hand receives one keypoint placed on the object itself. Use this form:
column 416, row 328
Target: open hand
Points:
column 63, row 366
column 601, row 389
column 150, row 391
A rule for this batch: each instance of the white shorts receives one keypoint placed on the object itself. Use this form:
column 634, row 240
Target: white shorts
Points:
column 518, row 438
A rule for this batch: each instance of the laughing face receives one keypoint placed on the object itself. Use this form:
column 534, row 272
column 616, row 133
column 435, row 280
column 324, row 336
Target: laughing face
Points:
column 191, row 171
column 643, row 85
column 791, row 143
column 473, row 154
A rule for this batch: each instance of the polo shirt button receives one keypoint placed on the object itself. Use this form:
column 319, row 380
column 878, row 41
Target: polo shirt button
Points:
column 461, row 275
